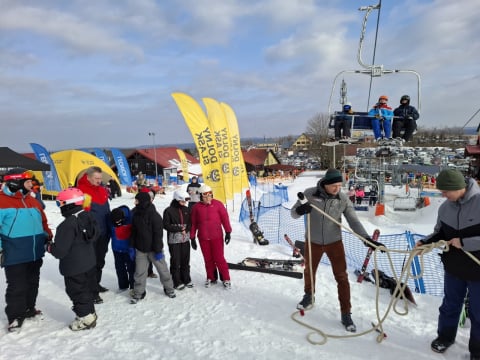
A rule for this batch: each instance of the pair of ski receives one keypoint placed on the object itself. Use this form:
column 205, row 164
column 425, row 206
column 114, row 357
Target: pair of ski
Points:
column 386, row 281
column 283, row 267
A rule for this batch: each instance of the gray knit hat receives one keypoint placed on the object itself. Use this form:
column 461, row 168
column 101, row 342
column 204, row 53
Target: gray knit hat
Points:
column 450, row 179
column 332, row 176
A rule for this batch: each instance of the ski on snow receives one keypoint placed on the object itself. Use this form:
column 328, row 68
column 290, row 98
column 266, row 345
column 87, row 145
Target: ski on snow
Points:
column 258, row 237
column 289, row 268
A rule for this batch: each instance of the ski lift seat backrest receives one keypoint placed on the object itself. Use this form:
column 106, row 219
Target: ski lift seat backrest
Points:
column 360, row 120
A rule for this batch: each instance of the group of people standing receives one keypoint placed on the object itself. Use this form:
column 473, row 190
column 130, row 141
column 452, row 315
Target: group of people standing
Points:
column 81, row 243
column 383, row 117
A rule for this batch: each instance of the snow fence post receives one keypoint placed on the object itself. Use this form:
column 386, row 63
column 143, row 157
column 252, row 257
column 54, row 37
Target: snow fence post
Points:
column 416, row 268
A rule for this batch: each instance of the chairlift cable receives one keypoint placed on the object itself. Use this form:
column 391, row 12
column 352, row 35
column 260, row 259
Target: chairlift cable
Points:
column 379, row 6
column 471, row 118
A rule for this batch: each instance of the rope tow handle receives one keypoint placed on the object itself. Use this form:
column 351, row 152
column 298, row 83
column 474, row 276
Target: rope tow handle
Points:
column 398, row 291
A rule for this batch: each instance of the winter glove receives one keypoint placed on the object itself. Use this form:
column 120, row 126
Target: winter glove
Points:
column 305, row 207
column 193, row 242
column 159, row 256
column 227, row 238
column 377, row 244
column 131, row 253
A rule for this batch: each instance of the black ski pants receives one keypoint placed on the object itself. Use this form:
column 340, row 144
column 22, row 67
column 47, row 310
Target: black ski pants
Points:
column 180, row 263
column 101, row 248
column 22, row 288
column 82, row 289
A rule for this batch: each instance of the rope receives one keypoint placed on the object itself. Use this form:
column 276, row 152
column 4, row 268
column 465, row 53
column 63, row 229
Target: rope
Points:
column 398, row 292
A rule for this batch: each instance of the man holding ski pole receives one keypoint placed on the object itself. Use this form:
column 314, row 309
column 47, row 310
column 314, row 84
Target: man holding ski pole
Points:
column 323, row 235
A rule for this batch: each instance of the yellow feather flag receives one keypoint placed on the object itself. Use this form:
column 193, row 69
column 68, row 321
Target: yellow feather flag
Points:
column 239, row 172
column 203, row 137
column 184, row 163
column 218, row 123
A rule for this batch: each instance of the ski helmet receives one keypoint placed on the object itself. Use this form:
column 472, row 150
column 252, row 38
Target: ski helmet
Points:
column 70, row 196
column 181, row 195
column 405, row 97
column 347, row 106
column 15, row 179
column 383, row 97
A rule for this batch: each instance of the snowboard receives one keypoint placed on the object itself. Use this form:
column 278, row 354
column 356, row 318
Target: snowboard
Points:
column 363, row 270
column 296, row 250
column 388, row 282
column 257, row 233
column 289, row 268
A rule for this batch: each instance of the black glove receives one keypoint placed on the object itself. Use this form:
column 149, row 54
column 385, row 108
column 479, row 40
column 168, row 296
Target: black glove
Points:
column 305, row 207
column 377, row 244
column 227, row 238
column 193, row 243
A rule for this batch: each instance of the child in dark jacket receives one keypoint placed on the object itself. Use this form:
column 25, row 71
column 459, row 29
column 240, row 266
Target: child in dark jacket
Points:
column 176, row 220
column 74, row 246
column 147, row 239
column 122, row 252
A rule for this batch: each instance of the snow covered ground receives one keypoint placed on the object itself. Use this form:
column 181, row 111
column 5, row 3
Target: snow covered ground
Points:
column 251, row 321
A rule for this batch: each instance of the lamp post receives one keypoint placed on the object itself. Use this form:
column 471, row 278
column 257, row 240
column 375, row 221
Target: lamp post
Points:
column 152, row 134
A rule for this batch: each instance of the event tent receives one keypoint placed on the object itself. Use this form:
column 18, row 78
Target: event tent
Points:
column 72, row 164
column 11, row 159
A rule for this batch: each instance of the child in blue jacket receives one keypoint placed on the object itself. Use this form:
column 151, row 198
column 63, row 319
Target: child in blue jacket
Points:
column 124, row 255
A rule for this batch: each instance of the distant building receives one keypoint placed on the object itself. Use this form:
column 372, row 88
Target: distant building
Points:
column 302, row 143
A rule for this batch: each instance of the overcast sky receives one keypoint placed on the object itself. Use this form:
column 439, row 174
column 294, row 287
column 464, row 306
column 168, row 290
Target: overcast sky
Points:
column 84, row 73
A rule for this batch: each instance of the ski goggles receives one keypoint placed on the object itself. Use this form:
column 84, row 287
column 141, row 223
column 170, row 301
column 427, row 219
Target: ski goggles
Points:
column 208, row 193
column 26, row 175
column 61, row 203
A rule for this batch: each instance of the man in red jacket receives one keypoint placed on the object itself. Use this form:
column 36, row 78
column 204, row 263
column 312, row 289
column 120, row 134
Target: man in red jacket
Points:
column 208, row 218
column 91, row 184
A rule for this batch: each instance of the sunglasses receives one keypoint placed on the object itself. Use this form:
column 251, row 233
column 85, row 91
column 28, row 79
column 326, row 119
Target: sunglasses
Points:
column 208, row 193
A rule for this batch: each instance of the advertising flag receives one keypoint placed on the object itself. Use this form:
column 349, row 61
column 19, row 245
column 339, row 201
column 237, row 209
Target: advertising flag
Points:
column 99, row 153
column 204, row 139
column 124, row 174
column 218, row 123
column 50, row 178
column 184, row 163
column 239, row 172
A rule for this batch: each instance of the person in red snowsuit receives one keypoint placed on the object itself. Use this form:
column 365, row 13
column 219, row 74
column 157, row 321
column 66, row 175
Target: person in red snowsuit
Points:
column 208, row 218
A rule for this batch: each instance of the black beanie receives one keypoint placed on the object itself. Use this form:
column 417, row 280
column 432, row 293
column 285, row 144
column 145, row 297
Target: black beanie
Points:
column 332, row 176
column 450, row 179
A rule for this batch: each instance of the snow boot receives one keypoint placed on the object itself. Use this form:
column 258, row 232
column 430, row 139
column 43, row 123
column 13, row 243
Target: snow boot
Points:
column 227, row 285
column 32, row 313
column 209, row 282
column 179, row 287
column 170, row 294
column 135, row 299
column 440, row 345
column 84, row 323
column 348, row 322
column 15, row 325
column 306, row 303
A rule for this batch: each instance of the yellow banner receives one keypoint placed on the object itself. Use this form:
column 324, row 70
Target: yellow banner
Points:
column 218, row 123
column 204, row 139
column 184, row 163
column 239, row 172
